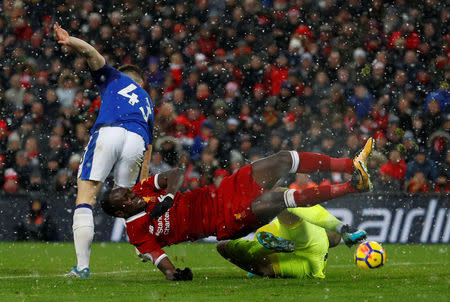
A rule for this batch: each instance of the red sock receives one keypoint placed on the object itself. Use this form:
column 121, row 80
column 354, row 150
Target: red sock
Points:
column 341, row 165
column 315, row 195
column 315, row 162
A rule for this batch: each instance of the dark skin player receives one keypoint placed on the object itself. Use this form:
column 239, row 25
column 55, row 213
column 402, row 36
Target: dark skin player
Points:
column 124, row 203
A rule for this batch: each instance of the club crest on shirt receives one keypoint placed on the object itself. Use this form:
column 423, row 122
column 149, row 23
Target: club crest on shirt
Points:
column 149, row 199
column 240, row 216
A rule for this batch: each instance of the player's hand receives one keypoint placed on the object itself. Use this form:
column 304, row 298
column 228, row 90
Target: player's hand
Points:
column 165, row 203
column 183, row 275
column 61, row 35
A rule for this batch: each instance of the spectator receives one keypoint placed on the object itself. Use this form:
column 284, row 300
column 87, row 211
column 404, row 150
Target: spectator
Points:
column 395, row 168
column 201, row 140
column 157, row 164
column 362, row 100
column 154, row 75
column 22, row 169
column 219, row 117
column 423, row 164
column 179, row 102
column 219, row 175
column 418, row 183
column 15, row 94
column 442, row 96
column 276, row 74
column 442, row 183
column 433, row 118
column 37, row 225
column 302, row 181
column 264, row 65
column 11, row 181
column 230, row 138
column 206, row 167
column 67, row 87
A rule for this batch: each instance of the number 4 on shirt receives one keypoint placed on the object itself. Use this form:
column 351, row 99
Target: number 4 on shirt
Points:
column 133, row 99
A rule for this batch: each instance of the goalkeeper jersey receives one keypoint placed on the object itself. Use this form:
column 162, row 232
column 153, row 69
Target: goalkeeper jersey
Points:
column 311, row 248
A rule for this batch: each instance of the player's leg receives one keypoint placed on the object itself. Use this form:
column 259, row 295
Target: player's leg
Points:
column 277, row 244
column 333, row 238
column 126, row 171
column 248, row 255
column 267, row 171
column 83, row 225
column 98, row 160
column 270, row 204
column 319, row 216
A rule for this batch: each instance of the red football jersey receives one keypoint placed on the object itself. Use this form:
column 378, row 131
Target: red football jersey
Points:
column 224, row 211
column 192, row 216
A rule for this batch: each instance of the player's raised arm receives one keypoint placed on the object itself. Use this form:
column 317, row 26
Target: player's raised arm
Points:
column 94, row 59
column 172, row 181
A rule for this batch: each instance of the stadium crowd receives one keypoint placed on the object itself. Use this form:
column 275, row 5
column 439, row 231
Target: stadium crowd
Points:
column 232, row 81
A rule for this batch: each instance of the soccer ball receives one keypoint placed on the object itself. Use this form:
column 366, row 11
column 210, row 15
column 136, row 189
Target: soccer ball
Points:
column 370, row 254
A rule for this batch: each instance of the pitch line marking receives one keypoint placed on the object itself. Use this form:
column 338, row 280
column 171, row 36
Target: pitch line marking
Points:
column 196, row 268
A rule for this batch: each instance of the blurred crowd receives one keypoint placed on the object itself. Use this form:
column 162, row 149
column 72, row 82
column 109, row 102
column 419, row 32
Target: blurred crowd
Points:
column 233, row 81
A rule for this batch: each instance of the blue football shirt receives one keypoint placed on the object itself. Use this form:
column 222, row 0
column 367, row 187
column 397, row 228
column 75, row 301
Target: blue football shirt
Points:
column 124, row 103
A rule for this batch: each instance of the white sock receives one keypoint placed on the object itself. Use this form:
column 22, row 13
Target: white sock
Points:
column 83, row 234
column 117, row 231
column 295, row 161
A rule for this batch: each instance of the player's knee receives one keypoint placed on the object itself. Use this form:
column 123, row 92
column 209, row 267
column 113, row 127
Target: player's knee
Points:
column 222, row 247
column 283, row 159
column 87, row 191
column 265, row 270
column 333, row 239
column 269, row 204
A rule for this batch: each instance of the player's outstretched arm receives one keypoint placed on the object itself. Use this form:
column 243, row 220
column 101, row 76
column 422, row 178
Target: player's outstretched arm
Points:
column 94, row 59
column 172, row 273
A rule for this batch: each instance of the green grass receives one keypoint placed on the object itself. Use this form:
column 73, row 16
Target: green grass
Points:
column 33, row 272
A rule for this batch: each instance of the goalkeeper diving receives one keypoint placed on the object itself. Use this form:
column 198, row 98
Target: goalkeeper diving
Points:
column 294, row 245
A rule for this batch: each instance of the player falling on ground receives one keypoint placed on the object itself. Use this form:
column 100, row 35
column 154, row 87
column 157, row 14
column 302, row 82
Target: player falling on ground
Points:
column 121, row 137
column 239, row 205
column 295, row 245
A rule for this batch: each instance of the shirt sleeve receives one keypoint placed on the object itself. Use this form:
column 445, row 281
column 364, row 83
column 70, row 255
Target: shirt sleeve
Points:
column 105, row 75
column 147, row 185
column 139, row 233
column 151, row 251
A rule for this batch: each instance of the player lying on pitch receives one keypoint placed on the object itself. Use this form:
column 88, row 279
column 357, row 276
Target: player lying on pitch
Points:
column 295, row 245
column 241, row 204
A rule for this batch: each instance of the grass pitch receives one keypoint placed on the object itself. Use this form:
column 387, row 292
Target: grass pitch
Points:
column 33, row 272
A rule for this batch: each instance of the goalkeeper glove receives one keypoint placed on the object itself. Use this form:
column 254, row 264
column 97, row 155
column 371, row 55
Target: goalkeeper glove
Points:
column 165, row 202
column 183, row 275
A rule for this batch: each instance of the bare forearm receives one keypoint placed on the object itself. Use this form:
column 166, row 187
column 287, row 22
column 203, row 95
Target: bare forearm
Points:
column 167, row 268
column 172, row 273
column 94, row 59
column 171, row 181
column 175, row 181
column 146, row 163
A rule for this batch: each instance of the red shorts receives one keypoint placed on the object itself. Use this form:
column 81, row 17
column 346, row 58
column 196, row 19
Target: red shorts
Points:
column 234, row 196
